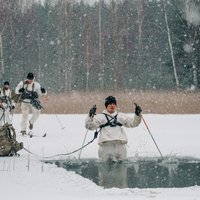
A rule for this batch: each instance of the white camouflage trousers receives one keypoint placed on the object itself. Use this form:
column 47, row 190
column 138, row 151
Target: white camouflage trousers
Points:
column 26, row 108
column 112, row 150
column 5, row 117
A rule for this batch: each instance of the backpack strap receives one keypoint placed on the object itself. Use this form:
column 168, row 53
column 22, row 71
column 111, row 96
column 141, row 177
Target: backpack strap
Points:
column 33, row 85
column 25, row 83
column 112, row 122
column 4, row 92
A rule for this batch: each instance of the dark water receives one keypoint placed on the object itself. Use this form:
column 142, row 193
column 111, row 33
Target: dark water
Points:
column 144, row 173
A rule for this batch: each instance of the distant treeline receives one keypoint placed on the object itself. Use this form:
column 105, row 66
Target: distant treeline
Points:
column 127, row 44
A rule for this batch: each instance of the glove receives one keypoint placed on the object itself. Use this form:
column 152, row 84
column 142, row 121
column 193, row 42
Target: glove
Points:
column 11, row 108
column 92, row 111
column 95, row 134
column 21, row 90
column 43, row 90
column 138, row 110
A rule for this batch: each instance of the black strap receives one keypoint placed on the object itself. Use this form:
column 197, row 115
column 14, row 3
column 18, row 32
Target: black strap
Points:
column 109, row 122
column 25, row 82
column 67, row 154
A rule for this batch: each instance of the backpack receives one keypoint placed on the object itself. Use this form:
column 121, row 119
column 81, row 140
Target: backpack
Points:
column 8, row 144
column 16, row 97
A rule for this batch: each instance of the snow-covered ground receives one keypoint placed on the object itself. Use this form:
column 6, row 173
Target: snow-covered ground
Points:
column 26, row 177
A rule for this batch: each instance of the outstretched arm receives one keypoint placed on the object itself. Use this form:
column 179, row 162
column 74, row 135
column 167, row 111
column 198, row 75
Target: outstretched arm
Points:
column 19, row 86
column 92, row 121
column 131, row 122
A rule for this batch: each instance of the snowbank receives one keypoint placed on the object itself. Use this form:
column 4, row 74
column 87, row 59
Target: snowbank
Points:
column 26, row 177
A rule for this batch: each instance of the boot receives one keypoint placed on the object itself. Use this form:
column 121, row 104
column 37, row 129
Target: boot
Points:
column 23, row 132
column 30, row 126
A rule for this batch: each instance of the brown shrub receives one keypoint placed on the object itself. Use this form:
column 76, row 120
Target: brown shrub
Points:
column 160, row 102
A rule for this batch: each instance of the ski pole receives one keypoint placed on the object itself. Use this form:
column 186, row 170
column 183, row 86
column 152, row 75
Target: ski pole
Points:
column 152, row 137
column 79, row 157
column 62, row 127
column 2, row 116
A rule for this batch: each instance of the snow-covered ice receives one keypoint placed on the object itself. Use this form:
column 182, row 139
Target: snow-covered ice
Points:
column 26, row 177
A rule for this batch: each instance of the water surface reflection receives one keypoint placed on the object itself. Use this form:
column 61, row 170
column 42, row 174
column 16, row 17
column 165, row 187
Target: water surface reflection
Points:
column 143, row 173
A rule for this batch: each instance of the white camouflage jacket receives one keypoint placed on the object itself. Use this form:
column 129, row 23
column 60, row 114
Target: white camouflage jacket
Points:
column 109, row 133
column 8, row 94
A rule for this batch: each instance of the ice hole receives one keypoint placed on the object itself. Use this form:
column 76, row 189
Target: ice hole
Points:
column 143, row 173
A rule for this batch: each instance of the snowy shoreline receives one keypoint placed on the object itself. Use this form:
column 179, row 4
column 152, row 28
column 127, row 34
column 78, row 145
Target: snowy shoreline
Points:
column 26, row 177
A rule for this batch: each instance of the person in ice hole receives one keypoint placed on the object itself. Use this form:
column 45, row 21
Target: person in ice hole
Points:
column 112, row 137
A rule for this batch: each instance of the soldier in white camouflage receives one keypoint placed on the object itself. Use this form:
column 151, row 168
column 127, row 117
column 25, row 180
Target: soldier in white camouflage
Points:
column 6, row 104
column 29, row 91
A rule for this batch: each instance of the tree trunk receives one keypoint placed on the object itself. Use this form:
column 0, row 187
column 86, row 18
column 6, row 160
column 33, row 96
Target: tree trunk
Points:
column 140, row 22
column 67, row 55
column 140, row 13
column 114, row 66
column 195, row 76
column 100, row 49
column 2, row 71
column 87, row 64
column 170, row 46
column 39, row 59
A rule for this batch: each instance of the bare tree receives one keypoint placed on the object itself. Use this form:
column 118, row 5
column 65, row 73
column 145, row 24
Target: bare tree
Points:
column 140, row 20
column 170, row 44
column 87, row 64
column 64, row 47
column 3, row 21
column 100, row 47
column 1, row 55
column 140, row 12
column 114, row 45
column 87, row 50
column 192, row 15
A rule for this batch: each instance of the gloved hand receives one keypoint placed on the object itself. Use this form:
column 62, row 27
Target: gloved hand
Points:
column 96, row 134
column 11, row 108
column 92, row 111
column 43, row 90
column 21, row 90
column 138, row 110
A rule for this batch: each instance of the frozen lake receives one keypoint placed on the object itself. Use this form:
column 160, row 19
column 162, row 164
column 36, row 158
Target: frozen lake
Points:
column 176, row 135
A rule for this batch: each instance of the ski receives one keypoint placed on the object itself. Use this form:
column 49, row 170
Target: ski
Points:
column 30, row 134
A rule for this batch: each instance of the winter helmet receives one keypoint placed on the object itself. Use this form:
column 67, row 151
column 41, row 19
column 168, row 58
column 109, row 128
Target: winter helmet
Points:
column 110, row 100
column 30, row 76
